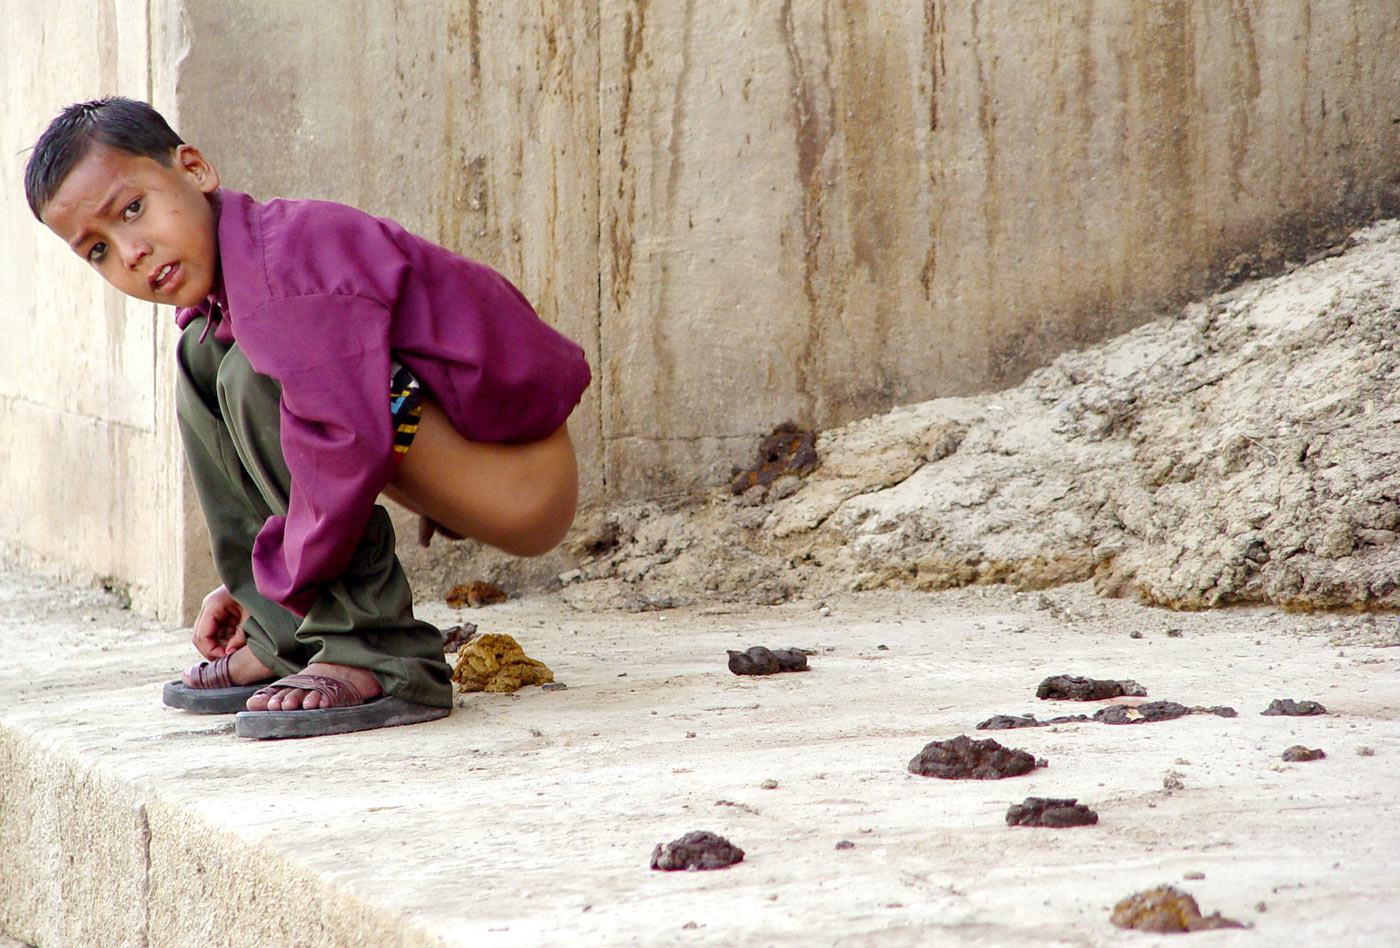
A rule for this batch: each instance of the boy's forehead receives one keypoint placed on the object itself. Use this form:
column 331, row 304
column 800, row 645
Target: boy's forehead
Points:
column 94, row 182
column 104, row 164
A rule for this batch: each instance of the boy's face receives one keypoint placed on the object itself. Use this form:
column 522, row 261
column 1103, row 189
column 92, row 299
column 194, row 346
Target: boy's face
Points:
column 147, row 229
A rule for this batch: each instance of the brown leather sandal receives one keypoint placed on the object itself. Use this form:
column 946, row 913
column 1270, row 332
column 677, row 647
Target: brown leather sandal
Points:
column 213, row 692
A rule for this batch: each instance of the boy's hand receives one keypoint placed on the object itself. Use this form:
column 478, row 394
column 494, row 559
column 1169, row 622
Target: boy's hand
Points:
column 219, row 629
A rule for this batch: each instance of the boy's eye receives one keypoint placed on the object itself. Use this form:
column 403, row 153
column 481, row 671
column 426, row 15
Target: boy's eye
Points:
column 132, row 210
column 96, row 252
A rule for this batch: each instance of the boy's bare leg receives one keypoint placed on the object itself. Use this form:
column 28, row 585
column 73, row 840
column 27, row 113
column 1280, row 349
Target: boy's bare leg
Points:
column 520, row 498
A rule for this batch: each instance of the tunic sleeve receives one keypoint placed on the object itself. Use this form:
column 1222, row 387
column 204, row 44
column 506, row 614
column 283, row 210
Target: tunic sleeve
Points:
column 330, row 352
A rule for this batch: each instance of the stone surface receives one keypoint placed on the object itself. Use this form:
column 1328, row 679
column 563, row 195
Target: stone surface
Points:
column 845, row 208
column 87, row 375
column 1239, row 451
column 526, row 819
column 74, row 844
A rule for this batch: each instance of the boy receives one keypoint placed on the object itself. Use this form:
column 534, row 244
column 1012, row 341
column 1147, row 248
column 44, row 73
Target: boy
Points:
column 325, row 357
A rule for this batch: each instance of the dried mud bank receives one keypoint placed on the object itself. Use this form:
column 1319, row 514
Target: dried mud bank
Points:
column 1244, row 450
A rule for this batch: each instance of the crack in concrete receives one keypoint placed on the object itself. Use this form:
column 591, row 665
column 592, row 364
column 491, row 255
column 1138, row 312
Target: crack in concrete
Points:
column 143, row 830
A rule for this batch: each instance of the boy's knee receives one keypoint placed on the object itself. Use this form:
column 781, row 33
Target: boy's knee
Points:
column 197, row 366
column 187, row 354
column 239, row 384
column 541, row 528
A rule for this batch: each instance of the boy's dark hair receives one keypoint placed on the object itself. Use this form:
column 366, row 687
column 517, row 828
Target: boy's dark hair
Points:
column 125, row 124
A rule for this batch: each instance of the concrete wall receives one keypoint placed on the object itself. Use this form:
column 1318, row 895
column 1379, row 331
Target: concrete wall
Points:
column 821, row 208
column 745, row 211
column 90, row 479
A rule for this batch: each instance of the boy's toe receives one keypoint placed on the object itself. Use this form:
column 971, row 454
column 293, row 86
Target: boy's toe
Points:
column 293, row 699
column 324, row 692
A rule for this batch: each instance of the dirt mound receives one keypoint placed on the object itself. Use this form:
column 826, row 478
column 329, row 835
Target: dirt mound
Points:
column 1244, row 450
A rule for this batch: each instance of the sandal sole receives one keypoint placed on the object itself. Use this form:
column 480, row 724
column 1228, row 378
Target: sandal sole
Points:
column 386, row 711
column 181, row 696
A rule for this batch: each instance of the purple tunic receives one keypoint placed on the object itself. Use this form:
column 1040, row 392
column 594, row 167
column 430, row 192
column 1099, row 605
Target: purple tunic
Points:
column 317, row 296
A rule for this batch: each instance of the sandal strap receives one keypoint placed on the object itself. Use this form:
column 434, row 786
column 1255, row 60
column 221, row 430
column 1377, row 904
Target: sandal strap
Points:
column 213, row 674
column 340, row 694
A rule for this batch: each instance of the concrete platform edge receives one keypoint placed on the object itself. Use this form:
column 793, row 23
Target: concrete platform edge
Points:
column 92, row 859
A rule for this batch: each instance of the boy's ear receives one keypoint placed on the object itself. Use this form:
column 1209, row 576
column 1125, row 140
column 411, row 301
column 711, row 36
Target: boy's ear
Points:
column 201, row 170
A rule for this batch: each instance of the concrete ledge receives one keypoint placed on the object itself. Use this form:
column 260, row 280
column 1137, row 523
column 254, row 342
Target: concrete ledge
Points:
column 528, row 819
column 75, row 845
column 118, row 828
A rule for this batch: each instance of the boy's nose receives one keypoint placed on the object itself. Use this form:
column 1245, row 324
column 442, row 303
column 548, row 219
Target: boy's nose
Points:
column 134, row 252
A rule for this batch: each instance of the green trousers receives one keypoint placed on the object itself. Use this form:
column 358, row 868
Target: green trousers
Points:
column 230, row 422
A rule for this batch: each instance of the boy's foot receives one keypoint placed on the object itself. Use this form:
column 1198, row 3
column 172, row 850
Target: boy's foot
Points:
column 327, row 699
column 222, row 686
column 241, row 668
column 277, row 698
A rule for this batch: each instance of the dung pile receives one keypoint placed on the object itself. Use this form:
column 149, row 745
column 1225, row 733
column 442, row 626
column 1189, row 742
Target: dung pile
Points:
column 1241, row 451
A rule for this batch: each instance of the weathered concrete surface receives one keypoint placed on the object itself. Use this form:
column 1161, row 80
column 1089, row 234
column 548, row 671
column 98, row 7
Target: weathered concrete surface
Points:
column 75, row 848
column 821, row 210
column 1240, row 451
column 528, row 819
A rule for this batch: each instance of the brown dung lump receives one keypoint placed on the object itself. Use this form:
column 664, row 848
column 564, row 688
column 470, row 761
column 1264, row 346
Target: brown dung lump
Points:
column 1051, row 812
column 1166, row 909
column 790, row 449
column 697, row 850
column 496, row 663
column 763, row 661
column 1146, row 712
column 1287, row 706
column 1006, row 722
column 962, row 758
column 1075, row 688
column 458, row 635
column 475, row 594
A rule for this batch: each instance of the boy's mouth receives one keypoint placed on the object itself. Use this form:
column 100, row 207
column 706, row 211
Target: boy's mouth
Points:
column 163, row 276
